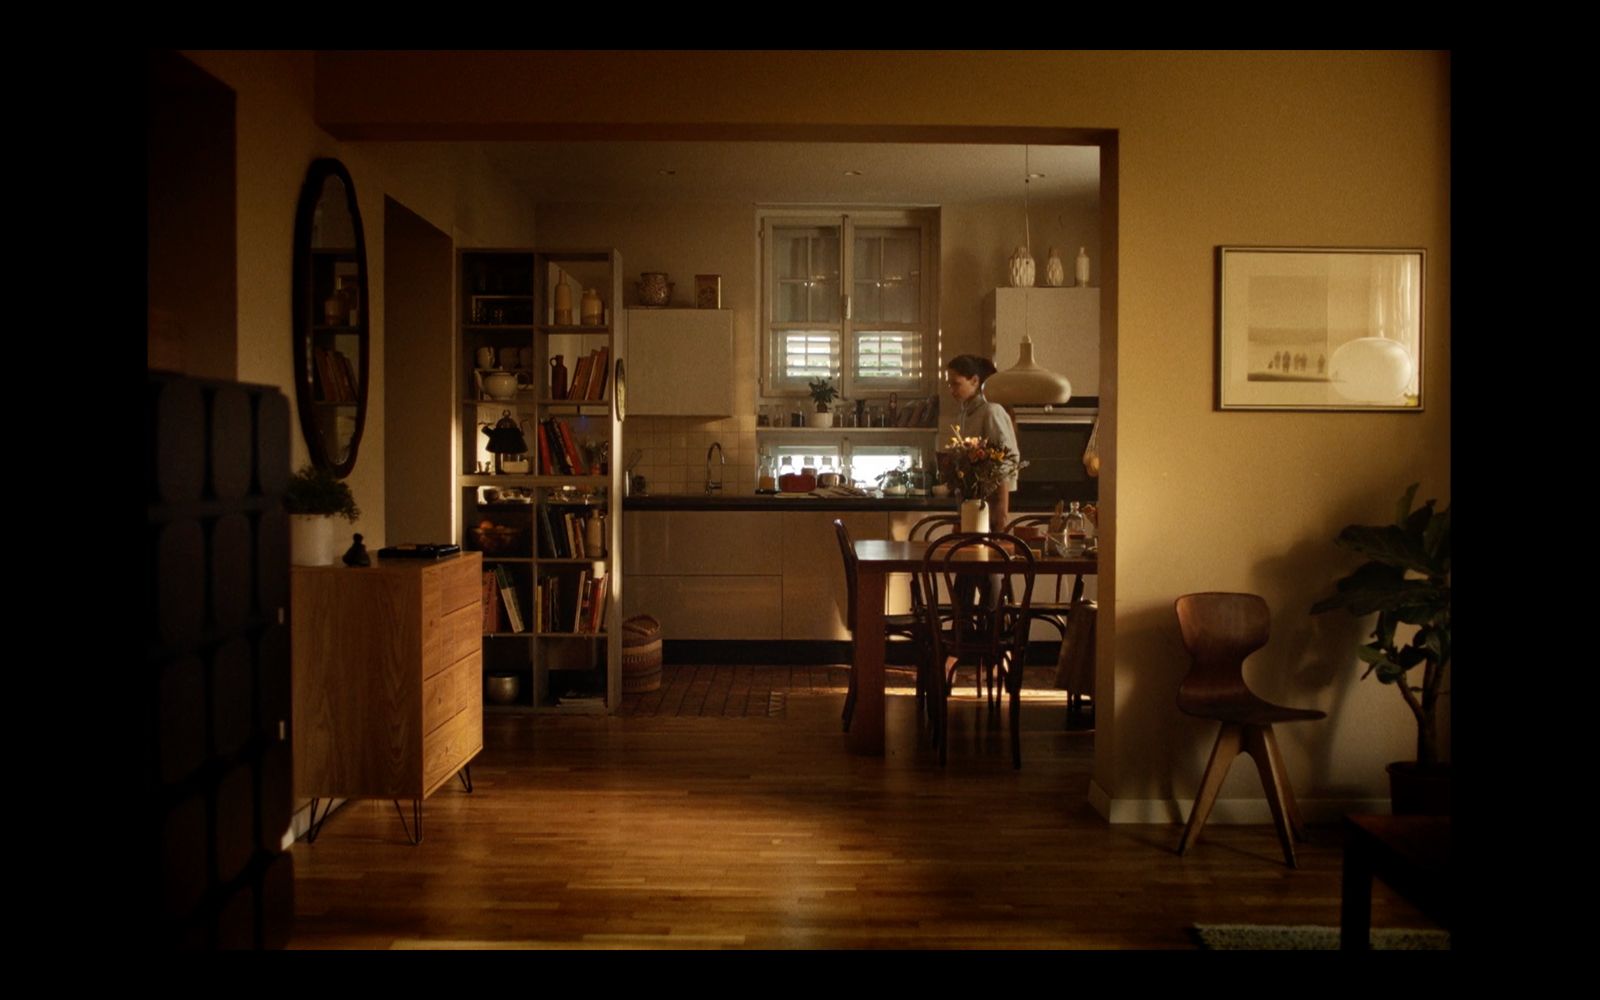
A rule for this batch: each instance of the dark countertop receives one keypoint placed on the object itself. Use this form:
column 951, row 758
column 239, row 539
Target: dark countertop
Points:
column 750, row 501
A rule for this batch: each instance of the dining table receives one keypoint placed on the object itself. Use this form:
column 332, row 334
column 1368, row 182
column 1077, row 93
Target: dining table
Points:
column 875, row 560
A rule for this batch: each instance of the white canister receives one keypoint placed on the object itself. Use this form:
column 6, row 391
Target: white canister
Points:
column 974, row 515
column 311, row 540
column 1081, row 268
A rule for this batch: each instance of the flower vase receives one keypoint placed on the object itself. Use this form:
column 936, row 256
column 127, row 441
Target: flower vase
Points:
column 311, row 540
column 974, row 516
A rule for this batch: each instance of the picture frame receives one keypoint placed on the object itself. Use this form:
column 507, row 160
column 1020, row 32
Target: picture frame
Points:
column 708, row 291
column 1320, row 328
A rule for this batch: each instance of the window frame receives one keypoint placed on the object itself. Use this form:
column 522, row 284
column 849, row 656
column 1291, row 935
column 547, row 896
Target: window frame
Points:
column 925, row 219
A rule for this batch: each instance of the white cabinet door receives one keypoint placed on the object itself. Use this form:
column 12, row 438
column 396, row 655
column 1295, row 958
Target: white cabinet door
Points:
column 1063, row 323
column 680, row 362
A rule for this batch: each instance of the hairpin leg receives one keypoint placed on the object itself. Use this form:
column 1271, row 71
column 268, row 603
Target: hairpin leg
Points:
column 316, row 824
column 416, row 816
column 465, row 774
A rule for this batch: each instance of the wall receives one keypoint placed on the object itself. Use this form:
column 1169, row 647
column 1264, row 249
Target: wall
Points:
column 277, row 140
column 1303, row 148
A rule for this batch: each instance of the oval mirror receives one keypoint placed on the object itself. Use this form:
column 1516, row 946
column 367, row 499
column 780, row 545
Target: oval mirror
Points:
column 330, row 317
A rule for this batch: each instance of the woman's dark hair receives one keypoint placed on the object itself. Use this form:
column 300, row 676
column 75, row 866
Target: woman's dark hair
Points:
column 972, row 366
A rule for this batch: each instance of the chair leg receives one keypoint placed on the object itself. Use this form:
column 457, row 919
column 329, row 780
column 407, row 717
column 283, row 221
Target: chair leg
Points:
column 850, row 700
column 1229, row 741
column 1290, row 809
column 1015, row 684
column 1261, row 748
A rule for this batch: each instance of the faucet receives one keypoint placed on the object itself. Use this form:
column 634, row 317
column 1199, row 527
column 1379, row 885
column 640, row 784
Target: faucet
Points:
column 716, row 487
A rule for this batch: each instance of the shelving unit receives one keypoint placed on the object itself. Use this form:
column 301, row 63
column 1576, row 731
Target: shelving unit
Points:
column 507, row 307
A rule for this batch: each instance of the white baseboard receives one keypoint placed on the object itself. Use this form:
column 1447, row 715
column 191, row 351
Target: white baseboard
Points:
column 1226, row 811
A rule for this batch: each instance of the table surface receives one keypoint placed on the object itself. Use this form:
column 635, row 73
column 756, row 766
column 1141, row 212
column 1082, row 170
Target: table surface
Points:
column 876, row 558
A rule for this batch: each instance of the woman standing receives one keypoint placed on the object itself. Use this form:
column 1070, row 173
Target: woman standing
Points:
column 965, row 375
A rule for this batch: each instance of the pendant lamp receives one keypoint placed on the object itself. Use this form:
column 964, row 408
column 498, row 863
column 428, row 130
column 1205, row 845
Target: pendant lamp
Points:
column 1027, row 383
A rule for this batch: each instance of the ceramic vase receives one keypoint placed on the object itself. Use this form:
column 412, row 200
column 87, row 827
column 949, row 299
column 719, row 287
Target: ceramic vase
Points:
column 1055, row 274
column 1022, row 268
column 1080, row 269
column 311, row 540
column 819, row 420
column 974, row 516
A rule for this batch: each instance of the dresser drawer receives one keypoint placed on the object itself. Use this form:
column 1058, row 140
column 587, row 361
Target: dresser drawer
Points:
column 447, row 749
column 449, row 691
column 460, row 584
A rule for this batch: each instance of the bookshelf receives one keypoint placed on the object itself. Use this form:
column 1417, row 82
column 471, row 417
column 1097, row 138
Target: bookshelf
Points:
column 548, row 520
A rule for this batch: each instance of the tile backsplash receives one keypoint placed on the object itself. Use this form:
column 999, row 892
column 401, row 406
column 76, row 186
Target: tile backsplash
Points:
column 674, row 459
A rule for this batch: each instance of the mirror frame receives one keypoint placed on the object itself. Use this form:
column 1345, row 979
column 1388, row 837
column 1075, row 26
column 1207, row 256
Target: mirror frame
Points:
column 305, row 314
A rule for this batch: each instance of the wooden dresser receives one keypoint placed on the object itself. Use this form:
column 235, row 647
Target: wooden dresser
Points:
column 388, row 677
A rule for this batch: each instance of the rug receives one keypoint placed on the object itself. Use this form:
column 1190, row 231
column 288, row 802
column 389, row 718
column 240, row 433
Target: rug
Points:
column 1258, row 937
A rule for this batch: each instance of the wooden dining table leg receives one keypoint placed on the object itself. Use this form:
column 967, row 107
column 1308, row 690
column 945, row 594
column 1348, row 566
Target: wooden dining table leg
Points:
column 867, row 724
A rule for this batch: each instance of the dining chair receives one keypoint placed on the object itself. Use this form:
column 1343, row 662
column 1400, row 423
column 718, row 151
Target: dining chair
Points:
column 1053, row 612
column 909, row 625
column 1220, row 630
column 984, row 624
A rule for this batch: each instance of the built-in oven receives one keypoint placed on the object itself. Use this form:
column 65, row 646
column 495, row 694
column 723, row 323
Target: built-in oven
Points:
column 1052, row 440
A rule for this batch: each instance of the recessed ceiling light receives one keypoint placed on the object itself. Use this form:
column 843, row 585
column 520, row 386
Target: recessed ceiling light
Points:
column 668, row 173
column 852, row 173
column 1035, row 176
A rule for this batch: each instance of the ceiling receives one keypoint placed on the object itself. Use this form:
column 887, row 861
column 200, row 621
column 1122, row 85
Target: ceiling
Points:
column 794, row 172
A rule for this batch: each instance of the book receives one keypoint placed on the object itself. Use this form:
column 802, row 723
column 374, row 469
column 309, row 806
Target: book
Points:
column 597, row 378
column 574, row 541
column 347, row 377
column 580, row 601
column 491, row 603
column 573, row 452
column 558, row 454
column 599, row 596
column 508, row 593
column 580, row 377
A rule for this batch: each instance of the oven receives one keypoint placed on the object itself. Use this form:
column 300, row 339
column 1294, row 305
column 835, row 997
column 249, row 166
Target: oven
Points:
column 1052, row 440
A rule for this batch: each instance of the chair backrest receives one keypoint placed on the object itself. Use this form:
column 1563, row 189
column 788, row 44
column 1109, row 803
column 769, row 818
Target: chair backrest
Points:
column 984, row 614
column 1042, row 522
column 1220, row 630
column 848, row 551
column 927, row 528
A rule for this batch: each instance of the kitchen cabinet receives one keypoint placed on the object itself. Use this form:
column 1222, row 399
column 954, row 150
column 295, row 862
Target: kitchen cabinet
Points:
column 680, row 362
column 705, row 574
column 815, row 593
column 1063, row 323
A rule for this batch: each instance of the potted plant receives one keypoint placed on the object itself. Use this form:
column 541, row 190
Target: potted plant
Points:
column 822, row 393
column 313, row 499
column 894, row 482
column 1406, row 582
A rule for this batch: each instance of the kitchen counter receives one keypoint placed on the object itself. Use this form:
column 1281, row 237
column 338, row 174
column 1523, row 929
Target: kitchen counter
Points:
column 748, row 501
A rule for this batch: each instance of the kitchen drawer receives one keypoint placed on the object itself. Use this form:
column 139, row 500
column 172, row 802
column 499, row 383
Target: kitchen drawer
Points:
column 709, row 607
column 450, row 690
column 450, row 747
column 701, row 543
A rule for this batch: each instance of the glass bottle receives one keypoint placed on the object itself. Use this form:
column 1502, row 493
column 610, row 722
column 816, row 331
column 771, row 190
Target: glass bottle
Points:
column 809, row 467
column 1076, row 526
column 785, row 469
column 827, row 471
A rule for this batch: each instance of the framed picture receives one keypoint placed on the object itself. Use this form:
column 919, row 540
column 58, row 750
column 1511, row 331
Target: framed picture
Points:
column 708, row 291
column 1318, row 328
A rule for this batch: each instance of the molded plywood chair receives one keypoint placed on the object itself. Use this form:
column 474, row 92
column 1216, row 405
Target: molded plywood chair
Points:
column 909, row 626
column 986, row 623
column 1220, row 630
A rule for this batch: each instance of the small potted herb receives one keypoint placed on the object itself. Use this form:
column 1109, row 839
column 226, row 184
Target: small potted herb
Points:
column 313, row 499
column 822, row 393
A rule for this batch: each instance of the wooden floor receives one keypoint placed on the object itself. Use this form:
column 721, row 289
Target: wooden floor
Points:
column 761, row 832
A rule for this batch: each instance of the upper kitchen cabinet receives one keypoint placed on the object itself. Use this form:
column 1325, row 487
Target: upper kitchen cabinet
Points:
column 680, row 362
column 1064, row 324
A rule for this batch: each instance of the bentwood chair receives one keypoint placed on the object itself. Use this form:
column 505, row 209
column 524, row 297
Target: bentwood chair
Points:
column 985, row 625
column 910, row 626
column 1220, row 630
column 1077, row 637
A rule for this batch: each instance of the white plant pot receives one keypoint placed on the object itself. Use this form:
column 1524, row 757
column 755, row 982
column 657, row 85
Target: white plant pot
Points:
column 311, row 540
column 974, row 515
column 819, row 420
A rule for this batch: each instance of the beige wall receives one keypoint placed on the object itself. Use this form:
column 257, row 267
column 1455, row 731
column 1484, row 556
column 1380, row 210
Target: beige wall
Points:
column 277, row 140
column 1309, row 148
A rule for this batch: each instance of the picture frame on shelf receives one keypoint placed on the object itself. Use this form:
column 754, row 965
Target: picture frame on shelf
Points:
column 708, row 291
column 1320, row 328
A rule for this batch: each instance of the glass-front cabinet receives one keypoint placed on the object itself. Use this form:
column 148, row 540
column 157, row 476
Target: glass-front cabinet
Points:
column 541, row 354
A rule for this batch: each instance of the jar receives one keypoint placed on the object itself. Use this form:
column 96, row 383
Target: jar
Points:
column 591, row 309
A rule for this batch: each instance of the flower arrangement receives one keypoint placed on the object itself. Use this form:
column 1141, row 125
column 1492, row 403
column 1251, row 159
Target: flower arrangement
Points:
column 975, row 467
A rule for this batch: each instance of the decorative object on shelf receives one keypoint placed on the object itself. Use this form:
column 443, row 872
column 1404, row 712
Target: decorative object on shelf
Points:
column 558, row 377
column 620, row 392
column 1055, row 273
column 1080, row 269
column 503, row 689
column 356, row 554
column 1407, row 582
column 1027, row 382
column 1305, row 328
column 563, row 304
column 485, row 358
column 500, row 385
column 501, row 539
column 822, row 393
column 507, row 441
column 655, row 290
column 590, row 308
column 708, row 291
column 313, row 498
column 594, row 533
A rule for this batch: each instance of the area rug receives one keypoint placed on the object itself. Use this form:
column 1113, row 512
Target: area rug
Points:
column 1258, row 937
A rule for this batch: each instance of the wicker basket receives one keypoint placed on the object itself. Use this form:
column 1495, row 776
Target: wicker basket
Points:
column 641, row 654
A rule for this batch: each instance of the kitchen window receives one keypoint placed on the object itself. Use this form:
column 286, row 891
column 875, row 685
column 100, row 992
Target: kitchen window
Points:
column 870, row 335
